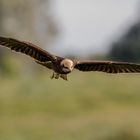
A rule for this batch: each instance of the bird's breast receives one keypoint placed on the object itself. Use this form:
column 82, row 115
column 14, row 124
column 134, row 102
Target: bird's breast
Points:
column 58, row 69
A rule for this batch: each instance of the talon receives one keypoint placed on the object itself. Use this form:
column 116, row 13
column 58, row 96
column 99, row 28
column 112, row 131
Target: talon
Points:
column 56, row 76
column 64, row 76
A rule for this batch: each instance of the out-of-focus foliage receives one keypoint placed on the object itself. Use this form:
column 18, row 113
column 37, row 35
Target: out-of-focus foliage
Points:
column 127, row 48
column 29, row 20
column 90, row 106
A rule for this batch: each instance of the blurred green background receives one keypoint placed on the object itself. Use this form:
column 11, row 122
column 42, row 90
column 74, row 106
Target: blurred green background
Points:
column 90, row 106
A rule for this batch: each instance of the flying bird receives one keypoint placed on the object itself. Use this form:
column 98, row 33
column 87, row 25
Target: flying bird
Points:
column 63, row 66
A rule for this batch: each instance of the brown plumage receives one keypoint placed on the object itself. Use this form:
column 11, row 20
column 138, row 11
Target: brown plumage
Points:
column 63, row 66
column 108, row 66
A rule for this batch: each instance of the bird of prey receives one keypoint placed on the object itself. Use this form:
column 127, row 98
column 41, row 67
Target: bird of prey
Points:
column 63, row 66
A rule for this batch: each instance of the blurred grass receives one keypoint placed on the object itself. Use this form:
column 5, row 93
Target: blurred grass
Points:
column 90, row 106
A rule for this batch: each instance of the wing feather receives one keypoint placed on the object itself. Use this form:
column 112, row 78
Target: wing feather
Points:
column 108, row 66
column 27, row 48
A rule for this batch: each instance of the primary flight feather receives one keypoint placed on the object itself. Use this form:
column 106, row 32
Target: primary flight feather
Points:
column 63, row 66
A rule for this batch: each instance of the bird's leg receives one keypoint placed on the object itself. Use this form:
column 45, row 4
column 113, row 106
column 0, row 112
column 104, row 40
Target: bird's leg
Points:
column 64, row 77
column 55, row 75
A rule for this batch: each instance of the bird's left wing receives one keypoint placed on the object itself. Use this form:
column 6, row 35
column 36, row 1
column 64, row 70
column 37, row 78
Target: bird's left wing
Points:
column 107, row 66
column 27, row 48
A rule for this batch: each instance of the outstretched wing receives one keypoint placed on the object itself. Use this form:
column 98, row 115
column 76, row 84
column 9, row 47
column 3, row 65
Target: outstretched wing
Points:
column 108, row 66
column 27, row 48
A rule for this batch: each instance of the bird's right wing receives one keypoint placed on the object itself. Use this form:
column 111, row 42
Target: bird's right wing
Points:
column 27, row 48
column 107, row 66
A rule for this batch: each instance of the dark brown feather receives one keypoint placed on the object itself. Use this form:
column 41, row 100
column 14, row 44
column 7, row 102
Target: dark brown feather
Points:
column 107, row 66
column 27, row 48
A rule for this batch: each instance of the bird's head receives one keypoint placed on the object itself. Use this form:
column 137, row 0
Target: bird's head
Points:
column 67, row 65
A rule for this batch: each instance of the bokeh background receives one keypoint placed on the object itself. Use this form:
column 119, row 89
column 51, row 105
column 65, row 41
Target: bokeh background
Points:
column 90, row 106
